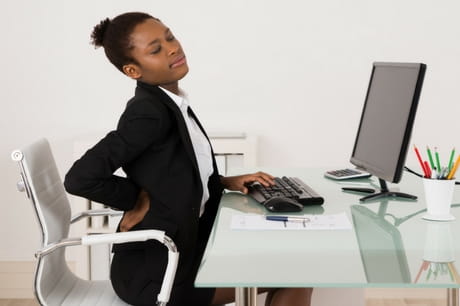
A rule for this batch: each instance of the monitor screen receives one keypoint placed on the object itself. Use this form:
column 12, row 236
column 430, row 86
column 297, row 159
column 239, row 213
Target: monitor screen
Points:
column 387, row 118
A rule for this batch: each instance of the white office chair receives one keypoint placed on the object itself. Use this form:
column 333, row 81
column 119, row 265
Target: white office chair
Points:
column 54, row 283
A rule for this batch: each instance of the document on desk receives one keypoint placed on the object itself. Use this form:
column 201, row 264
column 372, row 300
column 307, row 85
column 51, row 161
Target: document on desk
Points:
column 338, row 221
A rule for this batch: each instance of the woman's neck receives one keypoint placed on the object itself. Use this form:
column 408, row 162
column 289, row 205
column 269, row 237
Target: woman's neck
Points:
column 172, row 87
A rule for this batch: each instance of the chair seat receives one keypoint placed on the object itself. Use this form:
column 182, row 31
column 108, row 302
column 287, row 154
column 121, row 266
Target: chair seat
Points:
column 83, row 292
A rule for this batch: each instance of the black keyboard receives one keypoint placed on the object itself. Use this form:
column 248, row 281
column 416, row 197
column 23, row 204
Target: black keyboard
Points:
column 289, row 187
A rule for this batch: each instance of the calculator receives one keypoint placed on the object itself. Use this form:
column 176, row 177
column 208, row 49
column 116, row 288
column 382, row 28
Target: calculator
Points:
column 344, row 174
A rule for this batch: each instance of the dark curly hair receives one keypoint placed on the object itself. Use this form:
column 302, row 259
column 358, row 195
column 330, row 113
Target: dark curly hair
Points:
column 114, row 35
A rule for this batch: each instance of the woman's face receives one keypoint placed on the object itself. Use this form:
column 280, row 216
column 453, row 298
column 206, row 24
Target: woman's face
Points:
column 160, row 58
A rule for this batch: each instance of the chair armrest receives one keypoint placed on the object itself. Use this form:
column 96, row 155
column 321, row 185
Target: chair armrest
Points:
column 120, row 237
column 56, row 245
column 95, row 213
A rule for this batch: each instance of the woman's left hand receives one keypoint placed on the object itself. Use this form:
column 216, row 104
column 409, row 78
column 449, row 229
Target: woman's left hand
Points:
column 239, row 182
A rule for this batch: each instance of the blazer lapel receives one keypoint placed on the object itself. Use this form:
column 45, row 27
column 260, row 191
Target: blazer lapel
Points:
column 190, row 111
column 182, row 127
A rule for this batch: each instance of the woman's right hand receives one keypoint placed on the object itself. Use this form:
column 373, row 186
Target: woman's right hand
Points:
column 137, row 214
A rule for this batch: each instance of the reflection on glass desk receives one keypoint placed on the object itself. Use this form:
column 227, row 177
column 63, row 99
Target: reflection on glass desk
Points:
column 438, row 257
column 383, row 253
column 381, row 247
column 390, row 245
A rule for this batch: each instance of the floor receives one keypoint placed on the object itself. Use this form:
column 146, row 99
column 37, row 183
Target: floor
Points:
column 404, row 302
column 18, row 302
column 369, row 302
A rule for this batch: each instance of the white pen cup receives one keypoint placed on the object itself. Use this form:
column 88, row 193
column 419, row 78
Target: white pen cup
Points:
column 438, row 199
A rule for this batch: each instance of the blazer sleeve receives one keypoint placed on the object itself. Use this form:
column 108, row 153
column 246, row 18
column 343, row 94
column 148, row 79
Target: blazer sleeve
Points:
column 92, row 175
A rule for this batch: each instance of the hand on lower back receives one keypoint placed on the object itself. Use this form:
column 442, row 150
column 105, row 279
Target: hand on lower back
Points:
column 137, row 214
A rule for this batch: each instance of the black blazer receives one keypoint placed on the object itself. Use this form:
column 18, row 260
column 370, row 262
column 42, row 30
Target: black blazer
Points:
column 152, row 145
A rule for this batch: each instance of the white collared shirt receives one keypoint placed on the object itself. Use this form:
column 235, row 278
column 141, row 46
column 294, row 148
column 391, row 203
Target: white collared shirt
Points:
column 200, row 144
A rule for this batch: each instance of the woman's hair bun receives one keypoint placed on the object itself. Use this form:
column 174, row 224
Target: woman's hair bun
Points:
column 97, row 36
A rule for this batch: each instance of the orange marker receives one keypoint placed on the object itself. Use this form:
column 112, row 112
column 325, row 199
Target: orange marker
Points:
column 454, row 169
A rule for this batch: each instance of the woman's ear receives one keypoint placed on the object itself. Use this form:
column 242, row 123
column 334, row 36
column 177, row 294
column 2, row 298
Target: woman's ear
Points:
column 133, row 71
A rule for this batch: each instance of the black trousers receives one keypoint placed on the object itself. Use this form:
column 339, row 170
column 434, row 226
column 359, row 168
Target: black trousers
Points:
column 136, row 288
column 133, row 284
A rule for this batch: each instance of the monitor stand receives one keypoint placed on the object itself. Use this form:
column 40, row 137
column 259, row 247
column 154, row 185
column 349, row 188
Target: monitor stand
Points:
column 384, row 192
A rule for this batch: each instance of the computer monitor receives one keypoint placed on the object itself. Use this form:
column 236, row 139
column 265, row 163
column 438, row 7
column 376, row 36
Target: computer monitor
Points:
column 386, row 122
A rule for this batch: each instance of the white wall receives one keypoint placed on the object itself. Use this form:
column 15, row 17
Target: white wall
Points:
column 292, row 72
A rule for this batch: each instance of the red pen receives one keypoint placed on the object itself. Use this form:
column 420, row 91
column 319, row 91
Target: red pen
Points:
column 421, row 161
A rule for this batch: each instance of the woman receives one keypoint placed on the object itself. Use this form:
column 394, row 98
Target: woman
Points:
column 172, row 182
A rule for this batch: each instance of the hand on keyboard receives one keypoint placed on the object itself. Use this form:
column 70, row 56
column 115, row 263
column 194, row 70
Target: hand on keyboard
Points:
column 292, row 188
column 240, row 182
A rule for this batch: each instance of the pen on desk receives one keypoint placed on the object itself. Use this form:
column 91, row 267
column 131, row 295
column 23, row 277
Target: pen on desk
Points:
column 430, row 157
column 287, row 219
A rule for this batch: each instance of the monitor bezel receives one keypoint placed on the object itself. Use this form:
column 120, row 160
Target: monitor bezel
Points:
column 362, row 164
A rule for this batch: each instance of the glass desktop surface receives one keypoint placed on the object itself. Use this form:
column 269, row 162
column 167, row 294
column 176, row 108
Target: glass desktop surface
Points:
column 389, row 245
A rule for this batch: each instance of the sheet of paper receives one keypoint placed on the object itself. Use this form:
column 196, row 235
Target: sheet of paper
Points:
column 314, row 222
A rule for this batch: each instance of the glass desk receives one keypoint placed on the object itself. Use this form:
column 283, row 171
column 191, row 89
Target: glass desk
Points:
column 389, row 245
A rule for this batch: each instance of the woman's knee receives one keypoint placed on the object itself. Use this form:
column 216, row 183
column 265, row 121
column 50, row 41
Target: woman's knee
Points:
column 290, row 296
column 223, row 296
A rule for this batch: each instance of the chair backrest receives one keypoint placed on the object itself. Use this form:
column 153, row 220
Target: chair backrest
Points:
column 45, row 189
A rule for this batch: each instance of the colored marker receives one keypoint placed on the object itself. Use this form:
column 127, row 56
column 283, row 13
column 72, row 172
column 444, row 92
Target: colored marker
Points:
column 454, row 169
column 421, row 162
column 436, row 154
column 428, row 170
column 451, row 159
column 430, row 157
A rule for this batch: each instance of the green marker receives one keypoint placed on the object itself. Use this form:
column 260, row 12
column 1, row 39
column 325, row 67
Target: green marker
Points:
column 451, row 160
column 437, row 158
column 430, row 157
